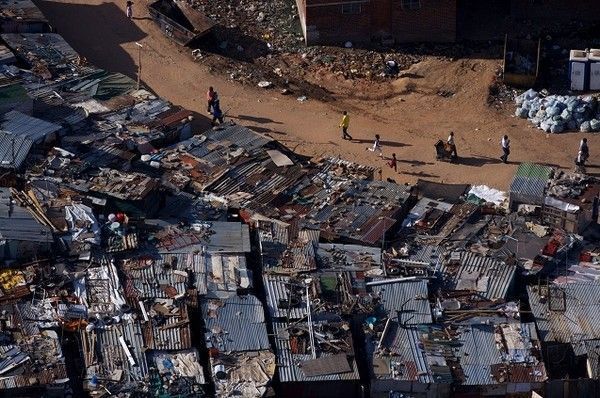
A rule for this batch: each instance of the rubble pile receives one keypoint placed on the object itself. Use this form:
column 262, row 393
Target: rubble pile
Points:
column 568, row 185
column 267, row 36
column 558, row 113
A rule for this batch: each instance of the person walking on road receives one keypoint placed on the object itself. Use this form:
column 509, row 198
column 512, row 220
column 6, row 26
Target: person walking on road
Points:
column 452, row 145
column 505, row 149
column 211, row 96
column 344, row 124
column 217, row 113
column 393, row 163
column 376, row 146
column 129, row 9
column 580, row 163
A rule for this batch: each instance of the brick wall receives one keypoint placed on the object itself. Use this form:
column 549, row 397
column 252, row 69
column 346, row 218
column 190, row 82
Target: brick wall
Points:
column 556, row 10
column 326, row 24
column 434, row 21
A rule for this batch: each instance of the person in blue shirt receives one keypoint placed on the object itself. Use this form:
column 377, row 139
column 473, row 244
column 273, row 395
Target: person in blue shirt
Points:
column 217, row 113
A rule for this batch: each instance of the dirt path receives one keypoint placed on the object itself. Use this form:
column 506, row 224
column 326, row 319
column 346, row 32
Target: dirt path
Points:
column 408, row 113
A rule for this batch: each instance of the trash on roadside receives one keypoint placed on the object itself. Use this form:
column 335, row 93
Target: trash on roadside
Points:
column 265, row 84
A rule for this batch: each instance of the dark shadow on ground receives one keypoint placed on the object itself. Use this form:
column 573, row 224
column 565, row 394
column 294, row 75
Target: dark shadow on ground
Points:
column 420, row 174
column 477, row 161
column 414, row 162
column 108, row 38
column 257, row 119
column 264, row 130
column 232, row 43
column 555, row 166
column 105, row 50
column 411, row 75
column 390, row 144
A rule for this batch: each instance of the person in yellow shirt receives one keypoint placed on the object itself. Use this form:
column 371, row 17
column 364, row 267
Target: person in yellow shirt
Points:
column 344, row 125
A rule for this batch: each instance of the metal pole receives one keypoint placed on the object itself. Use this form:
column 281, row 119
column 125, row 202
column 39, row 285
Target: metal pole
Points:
column 139, row 74
column 310, row 324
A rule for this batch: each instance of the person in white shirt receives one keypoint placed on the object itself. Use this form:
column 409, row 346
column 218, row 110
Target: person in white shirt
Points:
column 505, row 149
column 452, row 145
column 376, row 146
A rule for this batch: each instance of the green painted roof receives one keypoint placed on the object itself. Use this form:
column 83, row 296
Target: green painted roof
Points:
column 535, row 171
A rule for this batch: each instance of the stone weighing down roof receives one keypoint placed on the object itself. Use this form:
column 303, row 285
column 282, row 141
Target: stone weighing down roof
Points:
column 279, row 290
column 235, row 324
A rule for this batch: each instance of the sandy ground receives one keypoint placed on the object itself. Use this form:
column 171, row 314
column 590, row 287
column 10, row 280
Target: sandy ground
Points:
column 408, row 113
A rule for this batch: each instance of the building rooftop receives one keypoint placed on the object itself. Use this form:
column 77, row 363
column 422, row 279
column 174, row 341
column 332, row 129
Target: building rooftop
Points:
column 566, row 313
column 236, row 323
column 19, row 224
column 334, row 359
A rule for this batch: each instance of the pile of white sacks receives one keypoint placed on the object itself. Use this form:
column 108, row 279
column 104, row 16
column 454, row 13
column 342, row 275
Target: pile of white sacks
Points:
column 558, row 113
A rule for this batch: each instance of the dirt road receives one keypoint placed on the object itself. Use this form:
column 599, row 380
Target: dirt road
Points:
column 409, row 113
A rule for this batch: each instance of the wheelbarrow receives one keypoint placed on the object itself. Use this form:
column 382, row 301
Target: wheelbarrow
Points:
column 443, row 152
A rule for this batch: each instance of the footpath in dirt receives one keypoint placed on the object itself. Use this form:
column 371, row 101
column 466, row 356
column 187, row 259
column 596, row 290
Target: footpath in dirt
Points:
column 434, row 95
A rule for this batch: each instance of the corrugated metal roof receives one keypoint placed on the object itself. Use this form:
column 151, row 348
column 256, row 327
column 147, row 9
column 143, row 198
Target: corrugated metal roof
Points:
column 277, row 288
column 527, row 190
column 593, row 358
column 529, row 183
column 22, row 125
column 172, row 335
column 567, row 313
column 485, row 276
column 477, row 353
column 498, row 351
column 287, row 362
column 147, row 275
column 534, row 171
column 112, row 354
column 209, row 236
column 226, row 273
column 17, row 223
column 241, row 136
column 13, row 150
column 406, row 301
column 37, row 359
column 282, row 252
column 236, row 323
column 406, row 357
